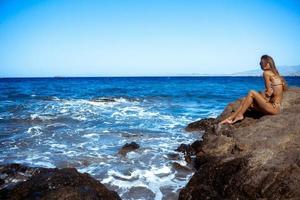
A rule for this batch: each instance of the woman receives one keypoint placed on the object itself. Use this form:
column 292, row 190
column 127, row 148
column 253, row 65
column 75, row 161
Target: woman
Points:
column 268, row 103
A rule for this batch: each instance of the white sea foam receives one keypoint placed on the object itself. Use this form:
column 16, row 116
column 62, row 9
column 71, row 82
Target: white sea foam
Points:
column 64, row 110
column 95, row 103
column 44, row 164
column 34, row 116
column 57, row 125
column 37, row 160
column 55, row 98
column 153, row 179
column 90, row 135
column 40, row 117
column 60, row 146
column 35, row 130
column 213, row 113
column 79, row 118
column 100, row 132
column 71, row 153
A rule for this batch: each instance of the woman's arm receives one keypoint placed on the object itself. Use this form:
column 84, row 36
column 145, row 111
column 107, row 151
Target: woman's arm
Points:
column 268, row 90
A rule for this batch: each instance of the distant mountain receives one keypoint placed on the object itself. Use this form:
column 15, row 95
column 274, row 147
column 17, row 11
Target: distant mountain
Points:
column 283, row 70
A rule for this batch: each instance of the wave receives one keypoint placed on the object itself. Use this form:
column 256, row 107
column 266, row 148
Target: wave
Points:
column 35, row 130
column 46, row 98
column 38, row 119
column 153, row 179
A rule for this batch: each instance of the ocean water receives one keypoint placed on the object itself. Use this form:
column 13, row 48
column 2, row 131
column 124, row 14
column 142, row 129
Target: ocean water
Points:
column 83, row 122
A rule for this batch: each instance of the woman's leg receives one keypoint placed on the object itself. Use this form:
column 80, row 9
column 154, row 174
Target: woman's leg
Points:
column 247, row 102
column 260, row 103
column 233, row 115
column 240, row 107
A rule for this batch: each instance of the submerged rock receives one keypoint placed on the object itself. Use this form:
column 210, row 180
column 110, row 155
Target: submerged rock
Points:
column 186, row 149
column 173, row 156
column 179, row 167
column 104, row 100
column 53, row 183
column 128, row 147
column 258, row 157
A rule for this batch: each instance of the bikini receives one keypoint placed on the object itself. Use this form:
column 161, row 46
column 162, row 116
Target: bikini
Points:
column 274, row 104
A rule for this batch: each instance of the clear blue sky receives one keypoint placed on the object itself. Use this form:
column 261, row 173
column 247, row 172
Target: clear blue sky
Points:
column 145, row 37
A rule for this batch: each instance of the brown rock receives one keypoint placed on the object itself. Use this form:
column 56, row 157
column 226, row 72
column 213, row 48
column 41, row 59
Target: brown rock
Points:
column 173, row 156
column 186, row 149
column 201, row 125
column 257, row 158
column 48, row 184
column 177, row 166
column 128, row 147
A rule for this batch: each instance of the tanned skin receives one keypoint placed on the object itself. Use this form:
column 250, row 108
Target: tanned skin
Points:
column 262, row 102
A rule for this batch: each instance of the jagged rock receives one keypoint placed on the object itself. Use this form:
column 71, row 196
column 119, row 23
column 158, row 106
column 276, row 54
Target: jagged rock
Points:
column 173, row 156
column 53, row 183
column 201, row 125
column 178, row 167
column 257, row 158
column 186, row 149
column 128, row 147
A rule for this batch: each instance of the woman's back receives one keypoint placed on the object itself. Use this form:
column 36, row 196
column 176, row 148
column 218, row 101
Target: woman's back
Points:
column 277, row 87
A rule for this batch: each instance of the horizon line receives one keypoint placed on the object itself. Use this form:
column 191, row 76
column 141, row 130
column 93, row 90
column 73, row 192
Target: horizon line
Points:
column 165, row 75
column 138, row 76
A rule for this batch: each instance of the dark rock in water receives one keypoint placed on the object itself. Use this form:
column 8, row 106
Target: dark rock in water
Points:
column 186, row 149
column 11, row 174
column 196, row 145
column 173, row 156
column 128, row 147
column 257, row 158
column 178, row 167
column 132, row 135
column 182, row 171
column 104, row 100
column 54, row 183
column 139, row 193
column 189, row 150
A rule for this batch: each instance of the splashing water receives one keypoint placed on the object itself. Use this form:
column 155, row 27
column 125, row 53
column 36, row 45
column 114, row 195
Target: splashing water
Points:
column 83, row 122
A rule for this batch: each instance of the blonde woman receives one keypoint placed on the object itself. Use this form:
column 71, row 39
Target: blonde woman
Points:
column 269, row 102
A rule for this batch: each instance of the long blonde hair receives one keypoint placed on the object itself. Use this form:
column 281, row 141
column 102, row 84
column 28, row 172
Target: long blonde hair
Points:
column 269, row 59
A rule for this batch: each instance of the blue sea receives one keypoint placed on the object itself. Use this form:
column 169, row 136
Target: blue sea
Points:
column 83, row 122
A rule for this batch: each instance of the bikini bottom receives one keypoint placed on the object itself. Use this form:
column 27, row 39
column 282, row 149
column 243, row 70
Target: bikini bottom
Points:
column 276, row 104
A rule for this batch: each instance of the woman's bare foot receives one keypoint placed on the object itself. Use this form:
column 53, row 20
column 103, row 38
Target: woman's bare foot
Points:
column 237, row 119
column 228, row 120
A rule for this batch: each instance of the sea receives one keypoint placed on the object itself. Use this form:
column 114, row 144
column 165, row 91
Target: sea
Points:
column 84, row 122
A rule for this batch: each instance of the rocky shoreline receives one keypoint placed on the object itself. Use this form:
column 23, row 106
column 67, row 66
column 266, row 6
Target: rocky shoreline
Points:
column 21, row 182
column 257, row 158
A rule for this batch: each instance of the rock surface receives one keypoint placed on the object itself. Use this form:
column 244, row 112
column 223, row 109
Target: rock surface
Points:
column 21, row 182
column 128, row 147
column 257, row 158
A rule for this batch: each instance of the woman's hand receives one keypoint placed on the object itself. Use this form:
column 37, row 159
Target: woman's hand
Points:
column 263, row 94
column 268, row 93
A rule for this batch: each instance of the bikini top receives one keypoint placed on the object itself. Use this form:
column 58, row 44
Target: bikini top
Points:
column 276, row 81
column 276, row 78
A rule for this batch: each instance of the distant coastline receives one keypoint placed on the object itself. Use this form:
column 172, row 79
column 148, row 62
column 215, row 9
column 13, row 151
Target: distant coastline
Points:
column 287, row 71
column 150, row 76
column 283, row 70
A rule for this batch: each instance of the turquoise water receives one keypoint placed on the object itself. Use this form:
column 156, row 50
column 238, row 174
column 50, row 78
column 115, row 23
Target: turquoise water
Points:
column 83, row 122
